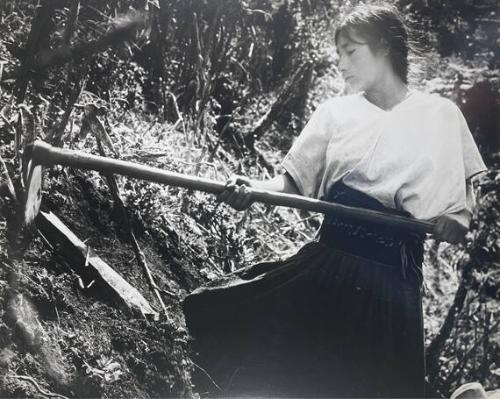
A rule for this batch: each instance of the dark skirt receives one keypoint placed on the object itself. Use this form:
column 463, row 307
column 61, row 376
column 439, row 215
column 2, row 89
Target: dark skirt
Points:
column 340, row 318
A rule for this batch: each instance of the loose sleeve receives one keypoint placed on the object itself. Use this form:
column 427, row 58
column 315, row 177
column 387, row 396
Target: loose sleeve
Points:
column 473, row 162
column 305, row 161
column 455, row 185
column 465, row 215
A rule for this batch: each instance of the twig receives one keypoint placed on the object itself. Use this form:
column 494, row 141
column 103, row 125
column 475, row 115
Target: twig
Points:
column 168, row 292
column 71, row 22
column 141, row 258
column 143, row 154
column 208, row 375
column 437, row 344
column 10, row 185
column 1, row 73
column 45, row 393
column 74, row 95
column 115, row 192
column 176, row 109
column 301, row 77
column 296, row 222
column 461, row 364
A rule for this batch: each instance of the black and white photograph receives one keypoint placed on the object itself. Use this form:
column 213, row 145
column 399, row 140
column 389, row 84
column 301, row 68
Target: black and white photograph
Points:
column 249, row 199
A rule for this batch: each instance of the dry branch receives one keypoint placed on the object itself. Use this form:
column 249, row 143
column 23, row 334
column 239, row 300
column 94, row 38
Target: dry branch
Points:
column 58, row 134
column 301, row 78
column 40, row 390
column 437, row 344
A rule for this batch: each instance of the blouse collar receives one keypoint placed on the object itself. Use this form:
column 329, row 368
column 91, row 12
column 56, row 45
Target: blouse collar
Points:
column 408, row 95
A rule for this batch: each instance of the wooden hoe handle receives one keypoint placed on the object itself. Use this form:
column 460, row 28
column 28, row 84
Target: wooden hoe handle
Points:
column 44, row 154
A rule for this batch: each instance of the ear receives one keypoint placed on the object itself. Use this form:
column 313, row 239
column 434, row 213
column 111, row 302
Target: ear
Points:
column 384, row 47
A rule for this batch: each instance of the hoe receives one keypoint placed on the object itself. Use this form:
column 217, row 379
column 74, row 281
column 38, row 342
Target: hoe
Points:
column 41, row 154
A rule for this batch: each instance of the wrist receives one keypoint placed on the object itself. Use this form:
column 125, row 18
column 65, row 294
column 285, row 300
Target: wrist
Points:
column 463, row 217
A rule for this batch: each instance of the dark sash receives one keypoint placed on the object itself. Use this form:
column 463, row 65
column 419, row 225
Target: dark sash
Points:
column 389, row 245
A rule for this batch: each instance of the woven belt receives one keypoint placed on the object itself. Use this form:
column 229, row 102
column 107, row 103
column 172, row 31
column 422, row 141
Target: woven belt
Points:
column 387, row 245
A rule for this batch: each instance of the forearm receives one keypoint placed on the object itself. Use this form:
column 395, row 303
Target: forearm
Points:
column 465, row 215
column 282, row 183
column 453, row 227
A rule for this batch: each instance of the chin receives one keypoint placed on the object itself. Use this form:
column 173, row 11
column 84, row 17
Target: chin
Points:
column 352, row 89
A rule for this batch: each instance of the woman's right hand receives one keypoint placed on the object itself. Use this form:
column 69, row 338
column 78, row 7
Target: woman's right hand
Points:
column 236, row 194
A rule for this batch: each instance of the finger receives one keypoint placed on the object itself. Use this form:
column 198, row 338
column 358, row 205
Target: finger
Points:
column 438, row 229
column 222, row 196
column 233, row 180
column 241, row 198
column 242, row 180
column 458, row 237
column 229, row 186
column 462, row 230
column 454, row 239
column 454, row 231
column 449, row 238
column 231, row 198
column 247, row 200
column 448, row 232
column 241, row 204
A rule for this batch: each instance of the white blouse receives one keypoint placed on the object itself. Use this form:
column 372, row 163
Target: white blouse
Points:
column 415, row 156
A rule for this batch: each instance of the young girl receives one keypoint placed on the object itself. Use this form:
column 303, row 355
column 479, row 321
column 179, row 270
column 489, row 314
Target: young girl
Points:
column 343, row 316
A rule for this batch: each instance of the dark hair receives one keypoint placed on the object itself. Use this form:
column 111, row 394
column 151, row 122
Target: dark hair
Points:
column 380, row 25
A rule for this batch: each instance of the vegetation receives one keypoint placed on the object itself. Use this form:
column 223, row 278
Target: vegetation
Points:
column 207, row 89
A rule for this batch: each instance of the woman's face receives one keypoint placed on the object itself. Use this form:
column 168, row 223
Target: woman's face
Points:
column 361, row 68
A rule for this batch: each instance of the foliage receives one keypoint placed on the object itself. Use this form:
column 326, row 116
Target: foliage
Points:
column 465, row 347
column 180, row 86
column 463, row 28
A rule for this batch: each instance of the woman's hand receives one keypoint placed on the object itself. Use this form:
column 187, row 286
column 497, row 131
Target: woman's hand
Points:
column 452, row 227
column 235, row 194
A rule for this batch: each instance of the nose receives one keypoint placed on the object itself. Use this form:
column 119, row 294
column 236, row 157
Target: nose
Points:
column 343, row 65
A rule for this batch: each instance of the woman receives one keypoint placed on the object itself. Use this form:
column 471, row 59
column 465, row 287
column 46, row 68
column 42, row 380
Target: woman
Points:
column 343, row 316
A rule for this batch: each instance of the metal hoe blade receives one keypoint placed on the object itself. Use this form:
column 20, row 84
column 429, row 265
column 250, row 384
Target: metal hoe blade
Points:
column 33, row 193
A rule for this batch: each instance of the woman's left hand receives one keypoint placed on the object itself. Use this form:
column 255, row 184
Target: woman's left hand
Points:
column 452, row 227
